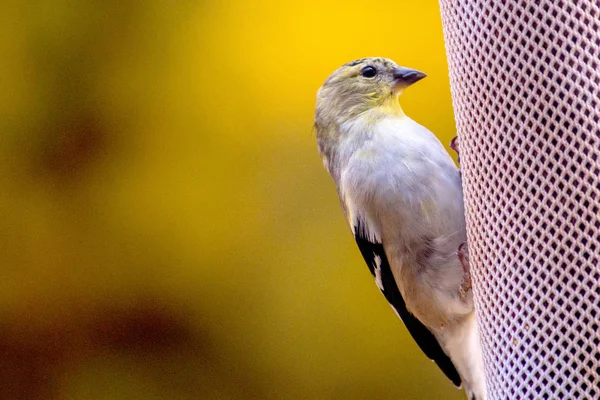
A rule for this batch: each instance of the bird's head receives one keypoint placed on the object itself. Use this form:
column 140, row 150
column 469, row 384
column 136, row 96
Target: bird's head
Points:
column 361, row 85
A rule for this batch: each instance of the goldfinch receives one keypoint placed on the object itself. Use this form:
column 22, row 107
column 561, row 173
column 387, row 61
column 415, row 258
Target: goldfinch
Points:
column 401, row 194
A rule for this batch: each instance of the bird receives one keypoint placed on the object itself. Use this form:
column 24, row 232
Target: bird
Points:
column 401, row 194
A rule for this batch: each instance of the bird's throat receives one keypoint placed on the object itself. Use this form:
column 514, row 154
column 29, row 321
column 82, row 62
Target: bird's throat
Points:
column 391, row 106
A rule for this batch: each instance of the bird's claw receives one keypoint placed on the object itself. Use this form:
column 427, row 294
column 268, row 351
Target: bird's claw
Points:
column 454, row 145
column 463, row 257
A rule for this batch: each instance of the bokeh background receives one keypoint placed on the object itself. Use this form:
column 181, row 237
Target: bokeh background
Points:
column 167, row 230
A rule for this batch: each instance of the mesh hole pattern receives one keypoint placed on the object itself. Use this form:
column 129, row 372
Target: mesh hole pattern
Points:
column 525, row 79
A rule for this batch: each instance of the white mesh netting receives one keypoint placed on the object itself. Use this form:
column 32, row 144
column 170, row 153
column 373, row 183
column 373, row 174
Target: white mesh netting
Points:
column 525, row 78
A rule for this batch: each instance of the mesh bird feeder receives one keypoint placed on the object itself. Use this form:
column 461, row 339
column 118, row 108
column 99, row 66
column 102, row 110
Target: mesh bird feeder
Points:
column 525, row 79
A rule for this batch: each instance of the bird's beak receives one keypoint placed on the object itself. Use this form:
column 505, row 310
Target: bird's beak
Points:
column 404, row 77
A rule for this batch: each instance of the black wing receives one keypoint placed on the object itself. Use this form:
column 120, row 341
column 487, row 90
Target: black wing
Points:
column 423, row 336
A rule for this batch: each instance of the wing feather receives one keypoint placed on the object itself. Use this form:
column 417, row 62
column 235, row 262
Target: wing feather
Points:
column 374, row 255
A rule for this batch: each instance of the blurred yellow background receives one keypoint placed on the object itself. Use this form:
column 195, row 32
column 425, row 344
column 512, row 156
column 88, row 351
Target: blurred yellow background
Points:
column 167, row 230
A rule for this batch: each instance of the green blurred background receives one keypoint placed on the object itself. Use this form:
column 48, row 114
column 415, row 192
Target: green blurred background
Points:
column 167, row 230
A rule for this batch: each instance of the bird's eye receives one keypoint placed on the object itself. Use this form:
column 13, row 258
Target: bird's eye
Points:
column 368, row 72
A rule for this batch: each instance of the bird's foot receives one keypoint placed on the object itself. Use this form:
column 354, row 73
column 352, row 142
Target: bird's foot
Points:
column 463, row 257
column 455, row 146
